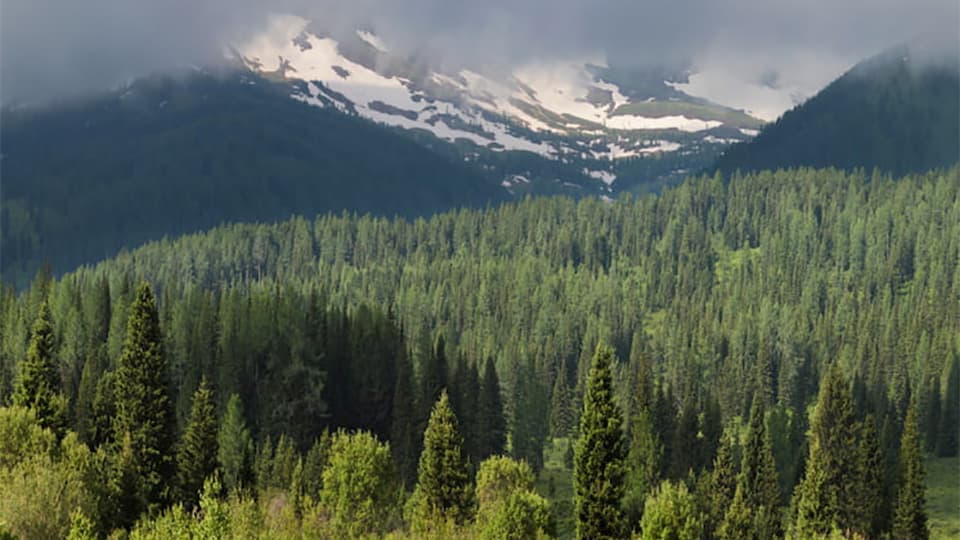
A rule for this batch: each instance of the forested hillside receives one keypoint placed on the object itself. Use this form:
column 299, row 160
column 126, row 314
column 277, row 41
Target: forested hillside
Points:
column 783, row 351
column 175, row 154
column 896, row 111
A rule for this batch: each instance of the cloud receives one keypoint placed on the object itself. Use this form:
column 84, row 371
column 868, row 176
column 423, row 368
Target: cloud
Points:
column 56, row 47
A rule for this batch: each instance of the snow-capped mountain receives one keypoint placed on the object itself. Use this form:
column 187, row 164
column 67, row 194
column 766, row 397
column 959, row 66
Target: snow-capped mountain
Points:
column 581, row 112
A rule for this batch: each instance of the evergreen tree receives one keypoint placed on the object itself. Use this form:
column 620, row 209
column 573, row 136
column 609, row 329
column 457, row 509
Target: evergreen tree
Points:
column 38, row 384
column 686, row 444
column 910, row 514
column 104, row 410
column 491, row 424
column 722, row 484
column 643, row 456
column 827, row 494
column 754, row 512
column 562, row 415
column 125, row 485
column 234, row 446
column 404, row 438
column 443, row 491
column 529, row 427
column 198, row 450
column 599, row 469
column 949, row 442
column 313, row 464
column 144, row 409
column 871, row 481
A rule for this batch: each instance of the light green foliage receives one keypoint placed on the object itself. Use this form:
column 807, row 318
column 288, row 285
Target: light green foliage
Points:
column 671, row 513
column 81, row 528
column 599, row 454
column 22, row 436
column 360, row 488
column 943, row 498
column 507, row 506
column 235, row 447
column 38, row 385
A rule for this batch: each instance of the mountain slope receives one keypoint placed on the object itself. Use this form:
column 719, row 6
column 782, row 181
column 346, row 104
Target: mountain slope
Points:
column 171, row 155
column 897, row 112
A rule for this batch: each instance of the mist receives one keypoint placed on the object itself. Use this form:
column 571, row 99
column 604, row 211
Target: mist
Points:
column 55, row 48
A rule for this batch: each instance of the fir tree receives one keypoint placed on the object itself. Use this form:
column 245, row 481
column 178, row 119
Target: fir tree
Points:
column 197, row 453
column 827, row 494
column 561, row 404
column 722, row 484
column 910, row 514
column 757, row 497
column 38, row 384
column 443, row 491
column 404, row 438
column 491, row 424
column 144, row 409
column 871, row 481
column 599, row 469
column 643, row 456
column 234, row 446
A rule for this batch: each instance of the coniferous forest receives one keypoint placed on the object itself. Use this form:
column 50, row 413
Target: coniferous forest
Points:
column 772, row 355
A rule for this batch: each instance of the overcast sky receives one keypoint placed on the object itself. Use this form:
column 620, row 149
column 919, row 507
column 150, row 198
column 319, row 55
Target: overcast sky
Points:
column 50, row 48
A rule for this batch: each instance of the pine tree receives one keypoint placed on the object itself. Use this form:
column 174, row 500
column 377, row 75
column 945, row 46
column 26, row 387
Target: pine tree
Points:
column 871, row 481
column 38, row 384
column 643, row 456
column 827, row 495
column 144, row 409
column 910, row 514
column 404, row 438
column 443, row 491
column 758, row 490
column 561, row 404
column 491, row 424
column 599, row 469
column 198, row 450
column 949, row 443
column 235, row 446
column 723, row 484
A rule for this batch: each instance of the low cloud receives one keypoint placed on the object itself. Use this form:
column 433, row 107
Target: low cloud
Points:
column 50, row 48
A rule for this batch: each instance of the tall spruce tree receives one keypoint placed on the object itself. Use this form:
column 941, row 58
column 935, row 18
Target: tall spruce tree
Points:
column 144, row 409
column 755, row 511
column 197, row 453
column 404, row 437
column 599, row 468
column 723, row 484
column 235, row 447
column 562, row 415
column 491, row 424
column 910, row 514
column 38, row 385
column 871, row 481
column 827, row 494
column 443, row 491
column 643, row 456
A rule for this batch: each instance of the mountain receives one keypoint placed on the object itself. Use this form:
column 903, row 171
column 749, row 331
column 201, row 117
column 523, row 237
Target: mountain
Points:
column 167, row 155
column 596, row 120
column 898, row 111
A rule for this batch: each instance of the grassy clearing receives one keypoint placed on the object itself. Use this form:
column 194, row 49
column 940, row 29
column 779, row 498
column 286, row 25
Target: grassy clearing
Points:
column 943, row 497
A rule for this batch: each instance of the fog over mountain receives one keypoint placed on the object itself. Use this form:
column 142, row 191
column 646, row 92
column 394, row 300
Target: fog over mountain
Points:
column 52, row 48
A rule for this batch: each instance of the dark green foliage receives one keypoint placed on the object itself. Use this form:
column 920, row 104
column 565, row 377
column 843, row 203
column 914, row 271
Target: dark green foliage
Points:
column 562, row 402
column 896, row 112
column 530, row 422
column 144, row 409
column 126, row 485
column 722, row 485
column 404, row 436
column 599, row 468
column 491, row 425
column 235, row 447
column 949, row 442
column 871, row 481
column 828, row 494
column 910, row 514
column 198, row 450
column 443, row 491
column 38, row 380
column 313, row 464
column 644, row 454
